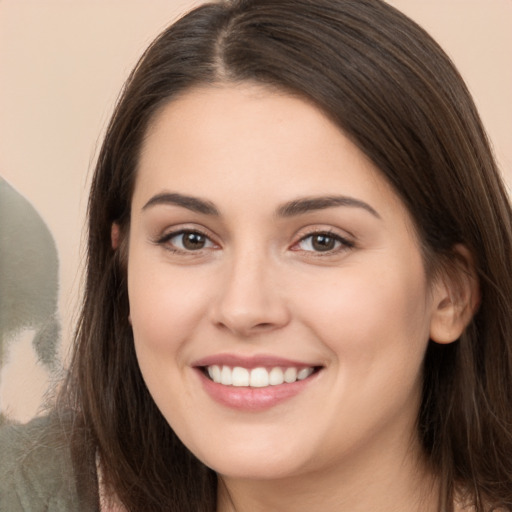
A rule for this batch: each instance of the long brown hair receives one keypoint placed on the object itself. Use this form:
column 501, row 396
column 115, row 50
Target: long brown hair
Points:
column 396, row 94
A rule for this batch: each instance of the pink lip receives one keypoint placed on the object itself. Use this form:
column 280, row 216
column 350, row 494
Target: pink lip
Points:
column 249, row 362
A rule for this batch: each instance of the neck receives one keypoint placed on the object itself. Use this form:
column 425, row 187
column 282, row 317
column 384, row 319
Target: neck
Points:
column 373, row 482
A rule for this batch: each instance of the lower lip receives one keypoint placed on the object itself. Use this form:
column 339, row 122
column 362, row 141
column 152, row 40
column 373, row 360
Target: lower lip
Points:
column 253, row 399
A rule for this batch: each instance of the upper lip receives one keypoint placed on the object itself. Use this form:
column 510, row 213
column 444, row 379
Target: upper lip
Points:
column 249, row 362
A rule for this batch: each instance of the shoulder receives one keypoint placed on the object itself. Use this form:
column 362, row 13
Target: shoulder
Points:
column 35, row 468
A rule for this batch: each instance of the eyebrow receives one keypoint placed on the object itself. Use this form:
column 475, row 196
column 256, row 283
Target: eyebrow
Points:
column 190, row 203
column 289, row 209
column 309, row 204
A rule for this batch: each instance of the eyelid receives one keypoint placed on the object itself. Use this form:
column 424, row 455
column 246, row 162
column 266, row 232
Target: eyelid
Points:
column 174, row 232
column 345, row 242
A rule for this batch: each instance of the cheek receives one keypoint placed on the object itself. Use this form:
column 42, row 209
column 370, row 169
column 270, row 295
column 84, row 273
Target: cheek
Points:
column 166, row 309
column 372, row 315
column 376, row 327
column 166, row 304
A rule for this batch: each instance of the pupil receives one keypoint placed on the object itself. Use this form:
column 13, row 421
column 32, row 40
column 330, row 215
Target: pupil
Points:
column 323, row 243
column 193, row 241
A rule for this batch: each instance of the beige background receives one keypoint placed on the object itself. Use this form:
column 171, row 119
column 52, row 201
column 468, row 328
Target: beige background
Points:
column 62, row 63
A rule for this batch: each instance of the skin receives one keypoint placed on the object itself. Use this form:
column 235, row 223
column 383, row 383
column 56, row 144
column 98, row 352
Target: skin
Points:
column 363, row 310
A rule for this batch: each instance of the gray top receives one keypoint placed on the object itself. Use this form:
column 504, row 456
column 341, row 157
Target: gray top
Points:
column 36, row 473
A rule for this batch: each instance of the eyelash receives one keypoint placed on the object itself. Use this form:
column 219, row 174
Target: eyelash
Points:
column 165, row 239
column 343, row 243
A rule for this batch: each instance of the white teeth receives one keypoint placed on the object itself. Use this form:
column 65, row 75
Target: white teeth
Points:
column 239, row 376
column 304, row 373
column 225, row 376
column 216, row 373
column 257, row 377
column 290, row 375
column 276, row 377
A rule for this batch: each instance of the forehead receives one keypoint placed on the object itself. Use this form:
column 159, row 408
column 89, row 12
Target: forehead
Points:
column 248, row 114
column 246, row 140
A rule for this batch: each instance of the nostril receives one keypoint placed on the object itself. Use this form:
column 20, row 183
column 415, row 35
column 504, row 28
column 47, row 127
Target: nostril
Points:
column 245, row 329
column 263, row 325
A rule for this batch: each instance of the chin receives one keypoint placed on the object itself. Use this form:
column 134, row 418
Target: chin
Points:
column 255, row 470
column 254, row 461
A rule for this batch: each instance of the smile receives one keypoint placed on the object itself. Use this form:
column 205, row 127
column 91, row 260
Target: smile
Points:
column 254, row 383
column 259, row 377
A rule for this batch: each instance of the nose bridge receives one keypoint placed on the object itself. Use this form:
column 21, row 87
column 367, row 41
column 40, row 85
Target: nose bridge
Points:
column 250, row 299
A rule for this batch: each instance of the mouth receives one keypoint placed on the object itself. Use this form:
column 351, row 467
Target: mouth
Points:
column 254, row 383
column 259, row 377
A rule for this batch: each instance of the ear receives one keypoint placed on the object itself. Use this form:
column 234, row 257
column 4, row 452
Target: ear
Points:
column 114, row 235
column 456, row 294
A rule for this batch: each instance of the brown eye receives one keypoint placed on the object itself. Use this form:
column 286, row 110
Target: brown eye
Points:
column 186, row 241
column 193, row 241
column 323, row 242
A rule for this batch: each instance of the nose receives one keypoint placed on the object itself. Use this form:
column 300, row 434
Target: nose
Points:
column 251, row 298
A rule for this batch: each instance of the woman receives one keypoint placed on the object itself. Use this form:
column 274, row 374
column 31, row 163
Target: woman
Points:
column 298, row 287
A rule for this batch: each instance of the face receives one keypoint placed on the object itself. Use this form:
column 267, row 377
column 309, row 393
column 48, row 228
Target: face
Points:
column 278, row 297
